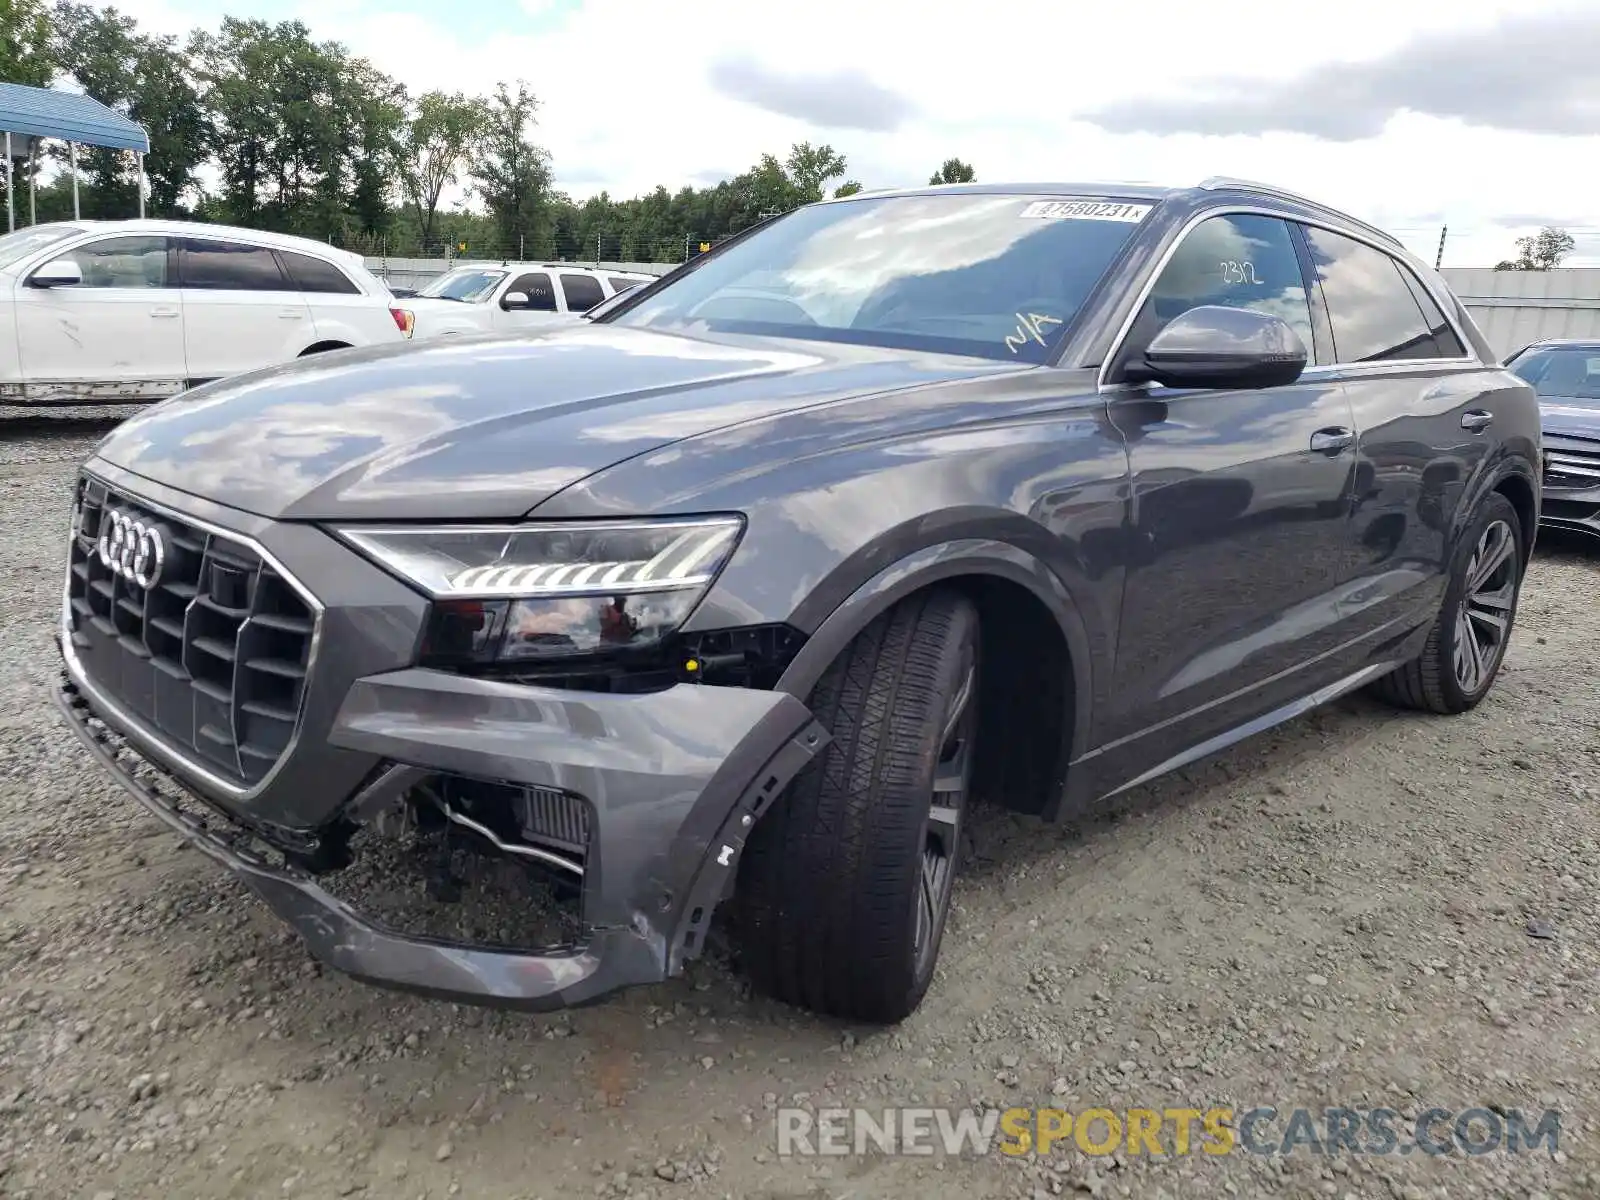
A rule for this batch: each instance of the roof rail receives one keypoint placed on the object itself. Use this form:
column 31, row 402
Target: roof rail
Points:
column 1215, row 183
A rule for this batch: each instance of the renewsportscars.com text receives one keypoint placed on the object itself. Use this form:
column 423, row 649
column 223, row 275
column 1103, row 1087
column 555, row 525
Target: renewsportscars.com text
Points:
column 1263, row 1130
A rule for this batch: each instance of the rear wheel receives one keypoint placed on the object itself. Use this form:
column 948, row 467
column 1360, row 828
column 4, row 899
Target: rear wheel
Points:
column 845, row 884
column 1462, row 656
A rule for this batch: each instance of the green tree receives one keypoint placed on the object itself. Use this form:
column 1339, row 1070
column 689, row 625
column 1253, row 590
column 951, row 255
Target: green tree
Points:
column 166, row 102
column 26, row 44
column 100, row 50
column 378, row 121
column 433, row 147
column 301, row 126
column 810, row 167
column 848, row 188
column 953, row 171
column 509, row 173
column 1543, row 251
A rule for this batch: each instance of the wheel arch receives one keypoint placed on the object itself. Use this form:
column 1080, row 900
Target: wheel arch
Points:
column 1523, row 493
column 324, row 346
column 1030, row 626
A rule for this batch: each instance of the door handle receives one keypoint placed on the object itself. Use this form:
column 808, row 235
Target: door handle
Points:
column 290, row 314
column 163, row 312
column 1331, row 441
column 1477, row 420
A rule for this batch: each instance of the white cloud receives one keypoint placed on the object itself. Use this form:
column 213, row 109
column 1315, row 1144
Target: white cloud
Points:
column 629, row 100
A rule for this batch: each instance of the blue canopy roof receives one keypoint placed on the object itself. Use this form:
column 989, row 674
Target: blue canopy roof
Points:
column 68, row 117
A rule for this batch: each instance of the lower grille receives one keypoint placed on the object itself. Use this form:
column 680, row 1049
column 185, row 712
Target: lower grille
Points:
column 1570, row 467
column 191, row 631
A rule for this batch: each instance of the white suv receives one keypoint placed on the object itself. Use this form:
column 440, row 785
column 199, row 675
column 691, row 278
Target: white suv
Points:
column 485, row 298
column 109, row 312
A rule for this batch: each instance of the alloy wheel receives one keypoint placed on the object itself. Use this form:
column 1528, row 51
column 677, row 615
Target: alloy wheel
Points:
column 946, row 811
column 1484, row 618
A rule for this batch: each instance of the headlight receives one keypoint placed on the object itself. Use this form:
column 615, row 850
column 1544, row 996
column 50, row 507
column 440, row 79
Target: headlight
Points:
column 520, row 592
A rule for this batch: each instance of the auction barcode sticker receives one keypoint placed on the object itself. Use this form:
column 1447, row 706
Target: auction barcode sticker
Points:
column 1087, row 210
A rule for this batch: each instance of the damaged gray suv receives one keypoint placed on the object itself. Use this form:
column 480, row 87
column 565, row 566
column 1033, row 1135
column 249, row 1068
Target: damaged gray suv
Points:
column 742, row 592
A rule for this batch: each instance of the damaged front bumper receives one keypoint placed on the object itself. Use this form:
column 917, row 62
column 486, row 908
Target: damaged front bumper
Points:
column 674, row 781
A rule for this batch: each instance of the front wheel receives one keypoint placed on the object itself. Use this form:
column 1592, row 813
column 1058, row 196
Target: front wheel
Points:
column 1467, row 643
column 845, row 884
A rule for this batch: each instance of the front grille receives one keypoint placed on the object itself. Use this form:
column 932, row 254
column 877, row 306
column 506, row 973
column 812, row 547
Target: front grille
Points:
column 1570, row 465
column 213, row 656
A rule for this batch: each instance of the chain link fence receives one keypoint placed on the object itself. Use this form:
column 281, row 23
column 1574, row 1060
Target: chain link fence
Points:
column 599, row 248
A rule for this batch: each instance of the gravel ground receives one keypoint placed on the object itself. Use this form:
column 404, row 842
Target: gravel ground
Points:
column 1361, row 908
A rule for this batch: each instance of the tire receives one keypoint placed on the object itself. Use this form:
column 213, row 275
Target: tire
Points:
column 1444, row 678
column 845, row 883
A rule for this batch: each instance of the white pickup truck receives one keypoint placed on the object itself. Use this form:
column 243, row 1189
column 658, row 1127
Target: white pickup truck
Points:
column 500, row 297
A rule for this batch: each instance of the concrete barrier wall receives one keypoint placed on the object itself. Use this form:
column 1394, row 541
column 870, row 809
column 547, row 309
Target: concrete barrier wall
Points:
column 1514, row 308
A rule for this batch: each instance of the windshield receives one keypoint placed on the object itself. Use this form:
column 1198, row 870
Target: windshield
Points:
column 981, row 275
column 14, row 247
column 467, row 284
column 1571, row 371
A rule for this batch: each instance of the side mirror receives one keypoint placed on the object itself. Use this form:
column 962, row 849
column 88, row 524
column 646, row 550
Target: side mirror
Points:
column 63, row 272
column 1217, row 347
column 514, row 300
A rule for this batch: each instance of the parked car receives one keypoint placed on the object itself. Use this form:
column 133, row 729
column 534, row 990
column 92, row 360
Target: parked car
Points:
column 117, row 312
column 749, row 587
column 487, row 298
column 1566, row 374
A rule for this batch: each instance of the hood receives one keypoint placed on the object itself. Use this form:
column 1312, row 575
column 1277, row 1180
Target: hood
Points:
column 483, row 426
column 1570, row 416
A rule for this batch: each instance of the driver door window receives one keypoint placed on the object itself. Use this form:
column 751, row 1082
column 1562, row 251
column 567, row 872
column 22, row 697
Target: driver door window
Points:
column 536, row 286
column 123, row 262
column 1238, row 261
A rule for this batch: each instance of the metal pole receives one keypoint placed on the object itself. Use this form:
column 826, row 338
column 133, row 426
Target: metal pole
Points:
column 33, row 174
column 141, row 187
column 1438, row 259
column 72, row 153
column 11, row 206
column 522, row 249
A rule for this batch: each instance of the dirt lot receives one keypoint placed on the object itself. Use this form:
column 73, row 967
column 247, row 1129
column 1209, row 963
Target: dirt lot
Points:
column 1336, row 913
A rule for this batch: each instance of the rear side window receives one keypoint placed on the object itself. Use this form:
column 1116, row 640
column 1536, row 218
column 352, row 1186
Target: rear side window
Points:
column 314, row 275
column 1238, row 261
column 1373, row 312
column 583, row 292
column 138, row 261
column 1445, row 340
column 229, row 266
column 622, row 285
column 541, row 293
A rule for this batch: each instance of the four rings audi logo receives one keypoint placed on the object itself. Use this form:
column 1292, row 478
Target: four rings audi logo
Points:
column 131, row 549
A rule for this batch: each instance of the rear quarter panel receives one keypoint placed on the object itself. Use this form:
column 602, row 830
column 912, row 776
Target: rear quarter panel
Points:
column 354, row 320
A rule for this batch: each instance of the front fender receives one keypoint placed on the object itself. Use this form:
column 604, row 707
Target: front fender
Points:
column 930, row 565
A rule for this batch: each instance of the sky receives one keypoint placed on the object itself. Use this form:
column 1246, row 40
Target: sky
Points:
column 1483, row 115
